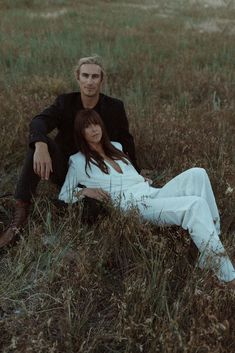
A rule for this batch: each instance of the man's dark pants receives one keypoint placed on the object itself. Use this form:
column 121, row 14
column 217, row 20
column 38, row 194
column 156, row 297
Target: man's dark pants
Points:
column 28, row 181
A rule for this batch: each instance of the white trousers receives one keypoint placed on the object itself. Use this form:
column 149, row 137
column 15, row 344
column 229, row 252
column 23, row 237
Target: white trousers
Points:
column 188, row 201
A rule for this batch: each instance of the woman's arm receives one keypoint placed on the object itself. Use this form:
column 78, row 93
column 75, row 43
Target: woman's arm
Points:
column 69, row 190
column 95, row 193
column 71, row 193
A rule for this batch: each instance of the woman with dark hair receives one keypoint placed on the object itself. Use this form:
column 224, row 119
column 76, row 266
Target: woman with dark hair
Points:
column 187, row 200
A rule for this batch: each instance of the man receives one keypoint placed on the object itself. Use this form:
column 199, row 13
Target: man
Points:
column 46, row 158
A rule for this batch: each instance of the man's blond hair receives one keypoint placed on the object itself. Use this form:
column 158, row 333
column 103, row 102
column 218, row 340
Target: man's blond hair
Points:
column 95, row 59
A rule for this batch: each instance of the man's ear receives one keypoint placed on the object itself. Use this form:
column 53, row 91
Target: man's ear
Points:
column 77, row 75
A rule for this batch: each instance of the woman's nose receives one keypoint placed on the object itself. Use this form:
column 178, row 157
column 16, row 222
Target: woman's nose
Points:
column 93, row 127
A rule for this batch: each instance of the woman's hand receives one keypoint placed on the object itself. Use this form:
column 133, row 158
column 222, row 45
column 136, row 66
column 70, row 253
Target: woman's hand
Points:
column 42, row 164
column 145, row 173
column 97, row 194
column 148, row 180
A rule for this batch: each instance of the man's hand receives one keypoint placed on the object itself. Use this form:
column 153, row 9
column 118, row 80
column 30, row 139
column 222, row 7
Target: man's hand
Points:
column 42, row 164
column 97, row 194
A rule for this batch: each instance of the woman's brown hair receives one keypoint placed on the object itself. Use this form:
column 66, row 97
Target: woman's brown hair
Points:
column 83, row 119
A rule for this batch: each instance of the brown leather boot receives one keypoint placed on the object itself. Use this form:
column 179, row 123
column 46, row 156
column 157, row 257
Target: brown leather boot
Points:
column 20, row 217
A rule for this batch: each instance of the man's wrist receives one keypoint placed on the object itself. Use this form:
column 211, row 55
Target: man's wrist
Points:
column 40, row 144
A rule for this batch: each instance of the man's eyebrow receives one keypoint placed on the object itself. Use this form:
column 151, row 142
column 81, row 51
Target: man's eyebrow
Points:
column 93, row 75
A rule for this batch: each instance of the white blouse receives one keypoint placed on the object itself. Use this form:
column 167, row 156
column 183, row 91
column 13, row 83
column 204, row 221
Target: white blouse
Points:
column 128, row 186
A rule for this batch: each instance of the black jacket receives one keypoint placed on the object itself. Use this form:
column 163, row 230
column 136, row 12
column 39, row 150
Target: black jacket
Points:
column 61, row 115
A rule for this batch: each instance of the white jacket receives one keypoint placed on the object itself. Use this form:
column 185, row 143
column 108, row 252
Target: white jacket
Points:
column 124, row 187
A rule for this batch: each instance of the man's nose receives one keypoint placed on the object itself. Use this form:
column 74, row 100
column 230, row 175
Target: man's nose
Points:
column 89, row 79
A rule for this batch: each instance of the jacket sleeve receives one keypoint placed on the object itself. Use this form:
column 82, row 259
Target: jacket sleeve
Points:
column 70, row 188
column 46, row 121
column 125, row 137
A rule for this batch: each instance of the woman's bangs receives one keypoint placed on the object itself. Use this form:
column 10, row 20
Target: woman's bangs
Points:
column 91, row 119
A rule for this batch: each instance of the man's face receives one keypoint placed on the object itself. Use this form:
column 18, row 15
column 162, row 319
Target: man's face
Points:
column 90, row 79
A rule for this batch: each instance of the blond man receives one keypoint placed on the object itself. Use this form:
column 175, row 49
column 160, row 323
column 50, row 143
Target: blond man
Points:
column 47, row 159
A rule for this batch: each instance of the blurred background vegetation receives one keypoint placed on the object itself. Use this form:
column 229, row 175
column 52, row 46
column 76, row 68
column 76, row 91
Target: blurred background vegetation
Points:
column 128, row 287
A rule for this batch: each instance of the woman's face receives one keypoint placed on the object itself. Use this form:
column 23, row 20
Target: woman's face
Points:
column 93, row 134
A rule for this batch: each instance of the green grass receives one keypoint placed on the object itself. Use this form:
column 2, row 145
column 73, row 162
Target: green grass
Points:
column 121, row 285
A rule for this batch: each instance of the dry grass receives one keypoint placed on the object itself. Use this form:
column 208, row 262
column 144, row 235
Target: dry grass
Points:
column 121, row 285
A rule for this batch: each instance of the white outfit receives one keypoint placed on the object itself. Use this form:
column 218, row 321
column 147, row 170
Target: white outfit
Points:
column 187, row 201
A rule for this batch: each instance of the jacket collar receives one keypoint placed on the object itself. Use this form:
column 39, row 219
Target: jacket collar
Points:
column 98, row 106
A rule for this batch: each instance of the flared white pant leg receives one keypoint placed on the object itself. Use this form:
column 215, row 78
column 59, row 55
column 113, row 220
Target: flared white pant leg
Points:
column 193, row 182
column 188, row 201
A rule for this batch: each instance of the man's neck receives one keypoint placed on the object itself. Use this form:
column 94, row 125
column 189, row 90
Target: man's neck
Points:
column 89, row 102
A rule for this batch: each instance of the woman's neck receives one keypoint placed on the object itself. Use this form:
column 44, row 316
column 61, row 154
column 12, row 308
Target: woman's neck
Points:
column 98, row 148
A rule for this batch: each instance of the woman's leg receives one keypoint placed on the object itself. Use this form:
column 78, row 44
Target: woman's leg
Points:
column 193, row 182
column 193, row 214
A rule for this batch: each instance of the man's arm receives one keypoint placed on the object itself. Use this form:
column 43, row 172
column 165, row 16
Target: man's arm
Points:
column 125, row 137
column 43, row 123
column 39, row 127
column 42, row 163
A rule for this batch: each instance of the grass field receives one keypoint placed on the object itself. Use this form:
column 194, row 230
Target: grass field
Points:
column 120, row 286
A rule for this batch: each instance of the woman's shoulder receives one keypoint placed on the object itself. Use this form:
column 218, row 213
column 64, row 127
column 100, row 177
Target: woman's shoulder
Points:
column 117, row 145
column 77, row 157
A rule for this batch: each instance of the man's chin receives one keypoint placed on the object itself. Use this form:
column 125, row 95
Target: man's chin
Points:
column 90, row 94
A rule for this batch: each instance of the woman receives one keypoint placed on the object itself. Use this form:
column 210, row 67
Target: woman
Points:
column 187, row 200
